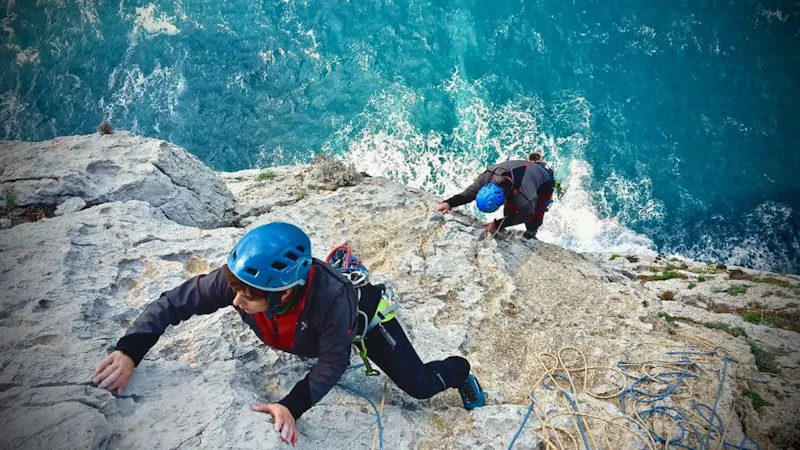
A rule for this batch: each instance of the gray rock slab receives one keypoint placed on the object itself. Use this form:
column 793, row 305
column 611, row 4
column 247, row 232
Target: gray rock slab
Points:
column 115, row 167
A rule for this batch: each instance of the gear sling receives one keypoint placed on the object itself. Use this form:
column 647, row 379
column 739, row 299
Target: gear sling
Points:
column 349, row 265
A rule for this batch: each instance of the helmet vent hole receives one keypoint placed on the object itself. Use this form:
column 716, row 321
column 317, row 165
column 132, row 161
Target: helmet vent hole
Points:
column 301, row 249
column 277, row 265
column 291, row 256
column 251, row 271
column 234, row 254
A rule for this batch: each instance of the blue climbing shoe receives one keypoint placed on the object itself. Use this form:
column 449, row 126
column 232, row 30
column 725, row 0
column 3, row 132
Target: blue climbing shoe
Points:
column 471, row 393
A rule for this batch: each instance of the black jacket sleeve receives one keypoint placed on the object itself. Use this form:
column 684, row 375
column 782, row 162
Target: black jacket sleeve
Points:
column 336, row 335
column 203, row 294
column 469, row 194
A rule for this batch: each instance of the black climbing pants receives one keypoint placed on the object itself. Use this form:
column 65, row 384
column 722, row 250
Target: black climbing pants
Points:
column 389, row 348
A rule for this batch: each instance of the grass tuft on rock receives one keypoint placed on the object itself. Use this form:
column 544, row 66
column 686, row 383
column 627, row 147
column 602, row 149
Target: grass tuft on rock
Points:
column 266, row 175
column 765, row 360
column 775, row 281
column 662, row 276
column 733, row 331
column 776, row 319
column 756, row 399
column 737, row 289
column 11, row 198
column 613, row 257
column 667, row 317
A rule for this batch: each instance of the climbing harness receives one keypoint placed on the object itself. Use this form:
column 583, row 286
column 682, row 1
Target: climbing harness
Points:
column 342, row 259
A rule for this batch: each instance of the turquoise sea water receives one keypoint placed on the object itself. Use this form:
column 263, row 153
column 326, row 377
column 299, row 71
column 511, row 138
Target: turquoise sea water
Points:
column 673, row 125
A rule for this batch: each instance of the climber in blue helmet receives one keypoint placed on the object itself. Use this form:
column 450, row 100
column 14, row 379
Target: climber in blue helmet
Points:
column 298, row 304
column 524, row 188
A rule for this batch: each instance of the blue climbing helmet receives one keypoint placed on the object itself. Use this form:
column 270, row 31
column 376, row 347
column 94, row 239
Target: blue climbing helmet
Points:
column 490, row 197
column 272, row 257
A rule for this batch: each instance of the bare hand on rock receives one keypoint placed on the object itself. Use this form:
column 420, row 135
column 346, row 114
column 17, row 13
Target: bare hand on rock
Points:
column 284, row 421
column 443, row 207
column 114, row 372
column 490, row 227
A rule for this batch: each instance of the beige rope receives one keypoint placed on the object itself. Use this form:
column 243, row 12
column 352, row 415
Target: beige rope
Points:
column 560, row 438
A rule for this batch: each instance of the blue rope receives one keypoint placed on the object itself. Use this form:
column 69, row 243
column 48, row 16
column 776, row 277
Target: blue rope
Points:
column 355, row 391
column 572, row 404
column 522, row 425
column 672, row 380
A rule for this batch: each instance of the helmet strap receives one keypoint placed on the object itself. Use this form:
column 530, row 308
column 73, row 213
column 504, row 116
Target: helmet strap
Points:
column 274, row 299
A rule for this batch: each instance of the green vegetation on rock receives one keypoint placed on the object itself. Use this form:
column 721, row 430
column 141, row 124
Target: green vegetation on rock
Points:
column 737, row 289
column 669, row 318
column 265, row 175
column 756, row 399
column 765, row 361
column 662, row 276
column 733, row 331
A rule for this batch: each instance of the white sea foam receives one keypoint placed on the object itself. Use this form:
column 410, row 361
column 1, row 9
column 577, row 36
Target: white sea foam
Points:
column 163, row 87
column 767, row 240
column 27, row 56
column 384, row 142
column 152, row 24
column 574, row 221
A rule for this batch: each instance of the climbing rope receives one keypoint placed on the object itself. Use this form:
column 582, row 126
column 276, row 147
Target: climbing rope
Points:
column 358, row 393
column 649, row 398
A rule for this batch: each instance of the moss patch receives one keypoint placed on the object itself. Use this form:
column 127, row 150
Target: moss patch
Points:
column 668, row 275
column 11, row 198
column 266, row 175
column 692, row 285
column 736, row 274
column 775, row 281
column 613, row 257
column 765, row 360
column 733, row 331
column 737, row 289
column 775, row 319
column 669, row 318
column 756, row 399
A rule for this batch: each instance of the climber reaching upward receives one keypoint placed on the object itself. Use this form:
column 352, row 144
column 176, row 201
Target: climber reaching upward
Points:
column 524, row 187
column 300, row 305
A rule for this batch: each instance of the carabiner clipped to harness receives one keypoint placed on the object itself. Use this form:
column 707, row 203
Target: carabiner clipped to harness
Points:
column 358, row 278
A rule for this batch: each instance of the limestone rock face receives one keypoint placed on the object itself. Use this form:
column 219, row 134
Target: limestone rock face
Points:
column 517, row 309
column 115, row 167
column 70, row 205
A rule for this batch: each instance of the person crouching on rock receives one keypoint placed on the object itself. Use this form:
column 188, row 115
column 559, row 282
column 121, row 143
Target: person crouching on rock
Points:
column 300, row 305
column 524, row 187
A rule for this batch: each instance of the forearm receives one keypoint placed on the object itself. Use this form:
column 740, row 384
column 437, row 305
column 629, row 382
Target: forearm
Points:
column 471, row 192
column 311, row 389
column 200, row 295
column 136, row 345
